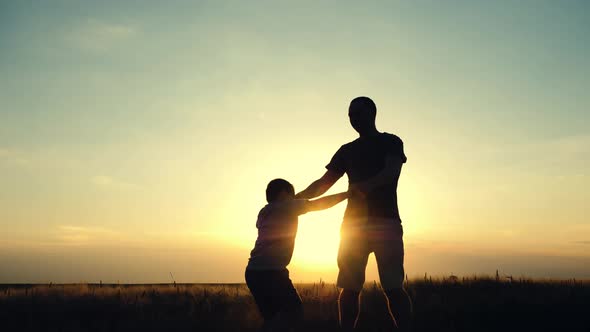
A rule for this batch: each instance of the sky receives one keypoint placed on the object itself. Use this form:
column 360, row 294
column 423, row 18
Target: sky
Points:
column 137, row 137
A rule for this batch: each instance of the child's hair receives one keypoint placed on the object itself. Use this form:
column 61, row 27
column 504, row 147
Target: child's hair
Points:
column 275, row 187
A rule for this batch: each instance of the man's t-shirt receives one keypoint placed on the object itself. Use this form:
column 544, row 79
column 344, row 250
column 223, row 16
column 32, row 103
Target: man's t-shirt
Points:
column 361, row 160
column 277, row 227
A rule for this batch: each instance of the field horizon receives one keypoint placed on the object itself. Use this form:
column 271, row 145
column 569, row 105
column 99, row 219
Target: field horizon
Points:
column 443, row 304
column 431, row 278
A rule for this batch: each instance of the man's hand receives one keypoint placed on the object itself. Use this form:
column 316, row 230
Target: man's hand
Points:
column 385, row 176
column 356, row 193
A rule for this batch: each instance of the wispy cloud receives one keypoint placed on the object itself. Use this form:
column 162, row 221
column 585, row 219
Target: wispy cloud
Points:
column 98, row 36
column 82, row 235
column 105, row 181
column 571, row 146
column 562, row 157
column 13, row 157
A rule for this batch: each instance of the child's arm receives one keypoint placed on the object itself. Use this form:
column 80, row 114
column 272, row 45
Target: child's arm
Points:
column 326, row 202
column 383, row 177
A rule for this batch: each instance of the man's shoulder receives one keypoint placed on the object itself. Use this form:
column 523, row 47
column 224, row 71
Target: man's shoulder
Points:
column 359, row 143
column 345, row 148
column 396, row 144
column 351, row 145
column 391, row 137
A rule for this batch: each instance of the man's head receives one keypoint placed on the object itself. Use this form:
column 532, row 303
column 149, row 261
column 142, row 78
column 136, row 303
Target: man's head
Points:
column 362, row 112
column 278, row 190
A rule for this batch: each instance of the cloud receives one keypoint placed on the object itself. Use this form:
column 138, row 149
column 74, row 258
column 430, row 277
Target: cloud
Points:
column 105, row 181
column 567, row 147
column 582, row 242
column 571, row 146
column 12, row 157
column 98, row 36
column 102, row 180
column 562, row 158
column 79, row 235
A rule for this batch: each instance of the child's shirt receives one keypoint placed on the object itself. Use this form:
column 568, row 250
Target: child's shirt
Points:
column 277, row 227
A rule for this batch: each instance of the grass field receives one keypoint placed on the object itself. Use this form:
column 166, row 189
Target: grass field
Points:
column 474, row 304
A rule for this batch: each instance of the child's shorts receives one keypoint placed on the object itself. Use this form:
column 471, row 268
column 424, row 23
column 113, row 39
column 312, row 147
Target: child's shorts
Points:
column 273, row 291
column 383, row 237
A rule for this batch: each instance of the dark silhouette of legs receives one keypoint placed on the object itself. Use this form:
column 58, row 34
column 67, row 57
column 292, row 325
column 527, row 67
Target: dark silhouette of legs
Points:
column 287, row 320
column 276, row 298
column 349, row 303
column 400, row 308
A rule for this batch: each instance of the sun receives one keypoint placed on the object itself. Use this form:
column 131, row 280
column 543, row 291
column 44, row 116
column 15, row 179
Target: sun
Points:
column 318, row 237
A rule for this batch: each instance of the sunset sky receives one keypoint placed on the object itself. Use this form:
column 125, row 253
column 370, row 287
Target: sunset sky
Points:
column 137, row 137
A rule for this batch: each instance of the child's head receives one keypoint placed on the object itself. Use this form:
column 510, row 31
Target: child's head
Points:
column 278, row 189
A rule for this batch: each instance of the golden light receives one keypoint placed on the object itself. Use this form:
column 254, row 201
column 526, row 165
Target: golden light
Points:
column 316, row 245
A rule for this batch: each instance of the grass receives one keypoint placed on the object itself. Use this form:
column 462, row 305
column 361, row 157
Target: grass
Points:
column 451, row 304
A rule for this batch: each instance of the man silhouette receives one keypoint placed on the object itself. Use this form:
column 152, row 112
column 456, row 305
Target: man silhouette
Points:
column 371, row 222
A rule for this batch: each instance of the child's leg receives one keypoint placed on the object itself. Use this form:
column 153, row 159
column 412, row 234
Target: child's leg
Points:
column 290, row 315
column 276, row 298
column 260, row 284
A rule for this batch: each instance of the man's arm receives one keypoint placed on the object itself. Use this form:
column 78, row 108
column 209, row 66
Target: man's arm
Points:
column 326, row 202
column 319, row 186
column 386, row 175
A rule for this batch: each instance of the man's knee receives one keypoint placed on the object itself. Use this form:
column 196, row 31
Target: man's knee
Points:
column 396, row 294
column 348, row 308
column 349, row 295
column 399, row 298
column 348, row 301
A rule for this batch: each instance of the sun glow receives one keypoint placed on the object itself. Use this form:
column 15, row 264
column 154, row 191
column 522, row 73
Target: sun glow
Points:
column 316, row 245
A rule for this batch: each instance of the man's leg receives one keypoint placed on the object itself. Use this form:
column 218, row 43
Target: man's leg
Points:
column 353, row 255
column 400, row 308
column 349, row 303
column 388, row 247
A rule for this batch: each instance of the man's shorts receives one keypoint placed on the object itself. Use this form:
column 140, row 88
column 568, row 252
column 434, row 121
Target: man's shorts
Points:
column 384, row 238
column 273, row 292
